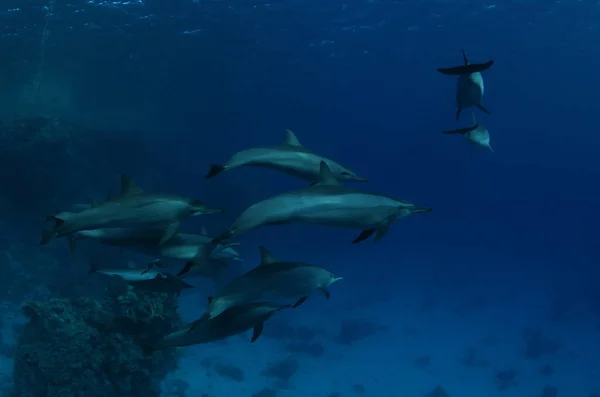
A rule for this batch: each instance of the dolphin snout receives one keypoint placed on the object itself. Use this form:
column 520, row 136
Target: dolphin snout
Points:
column 422, row 209
column 359, row 179
column 210, row 211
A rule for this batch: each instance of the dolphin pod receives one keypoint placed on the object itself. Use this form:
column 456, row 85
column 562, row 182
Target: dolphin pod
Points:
column 149, row 223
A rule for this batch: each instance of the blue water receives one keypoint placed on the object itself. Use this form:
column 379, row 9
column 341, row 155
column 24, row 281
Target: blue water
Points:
column 162, row 89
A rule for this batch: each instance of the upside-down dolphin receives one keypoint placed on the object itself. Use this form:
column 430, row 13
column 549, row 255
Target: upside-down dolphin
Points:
column 327, row 203
column 290, row 158
column 274, row 279
column 132, row 208
column 469, row 87
column 476, row 134
column 233, row 321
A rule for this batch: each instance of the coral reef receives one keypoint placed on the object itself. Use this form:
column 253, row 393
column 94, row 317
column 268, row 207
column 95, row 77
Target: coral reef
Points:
column 84, row 347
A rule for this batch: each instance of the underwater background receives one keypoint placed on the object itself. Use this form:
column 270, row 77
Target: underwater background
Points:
column 493, row 293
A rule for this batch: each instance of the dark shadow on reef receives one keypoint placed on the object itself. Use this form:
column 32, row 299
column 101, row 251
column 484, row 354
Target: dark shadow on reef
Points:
column 86, row 347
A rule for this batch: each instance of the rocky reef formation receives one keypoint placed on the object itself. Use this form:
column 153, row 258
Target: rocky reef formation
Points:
column 86, row 347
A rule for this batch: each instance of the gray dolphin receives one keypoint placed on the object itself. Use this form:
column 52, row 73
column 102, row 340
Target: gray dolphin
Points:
column 476, row 134
column 327, row 203
column 233, row 321
column 290, row 158
column 146, row 279
column 182, row 246
column 469, row 87
column 133, row 208
column 275, row 279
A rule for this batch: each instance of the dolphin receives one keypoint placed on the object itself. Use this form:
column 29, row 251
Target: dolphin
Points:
column 476, row 134
column 134, row 208
column 327, row 203
column 146, row 279
column 182, row 246
column 233, row 321
column 274, row 278
column 469, row 87
column 290, row 158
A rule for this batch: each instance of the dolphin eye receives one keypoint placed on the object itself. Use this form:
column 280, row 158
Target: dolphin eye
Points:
column 345, row 173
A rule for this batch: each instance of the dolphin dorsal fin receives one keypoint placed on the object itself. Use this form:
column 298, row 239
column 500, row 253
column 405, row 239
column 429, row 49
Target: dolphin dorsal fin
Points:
column 129, row 187
column 203, row 231
column 291, row 139
column 266, row 257
column 326, row 176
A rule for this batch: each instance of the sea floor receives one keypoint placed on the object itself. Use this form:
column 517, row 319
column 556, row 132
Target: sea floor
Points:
column 399, row 346
column 396, row 348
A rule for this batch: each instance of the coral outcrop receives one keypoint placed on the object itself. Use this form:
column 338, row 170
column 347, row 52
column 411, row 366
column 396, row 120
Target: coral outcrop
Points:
column 84, row 347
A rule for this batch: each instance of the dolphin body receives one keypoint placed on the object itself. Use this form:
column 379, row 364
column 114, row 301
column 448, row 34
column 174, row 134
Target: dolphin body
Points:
column 290, row 158
column 469, row 87
column 182, row 246
column 327, row 203
column 133, row 208
column 476, row 134
column 233, row 321
column 148, row 280
column 273, row 278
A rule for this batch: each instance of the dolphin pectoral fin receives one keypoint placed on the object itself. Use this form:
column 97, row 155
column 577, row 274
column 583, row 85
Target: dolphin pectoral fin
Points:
column 169, row 232
column 47, row 236
column 186, row 268
column 326, row 293
column 484, row 109
column 215, row 169
column 365, row 234
column 384, row 227
column 458, row 110
column 461, row 130
column 258, row 329
column 299, row 302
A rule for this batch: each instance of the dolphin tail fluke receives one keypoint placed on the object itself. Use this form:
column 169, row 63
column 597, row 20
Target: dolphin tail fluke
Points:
column 466, row 69
column 47, row 236
column 365, row 234
column 484, row 110
column 215, row 169
column 170, row 231
column 461, row 131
